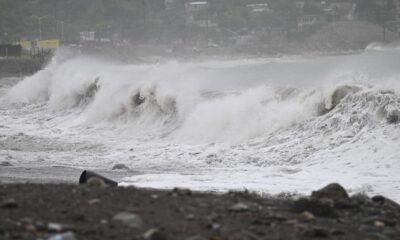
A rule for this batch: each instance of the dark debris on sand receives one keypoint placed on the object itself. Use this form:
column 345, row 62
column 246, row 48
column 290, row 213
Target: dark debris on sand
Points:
column 68, row 212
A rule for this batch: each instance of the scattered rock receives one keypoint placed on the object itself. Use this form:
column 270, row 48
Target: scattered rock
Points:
column 386, row 202
column 196, row 237
column 103, row 221
column 385, row 220
column 96, row 182
column 215, row 226
column 332, row 191
column 63, row 236
column 216, row 238
column 30, row 228
column 120, row 166
column 94, row 201
column 317, row 232
column 129, row 219
column 58, row 227
column 379, row 224
column 345, row 204
column 154, row 234
column 378, row 199
column 78, row 217
column 360, row 198
column 318, row 208
column 307, row 217
column 337, row 232
column 54, row 227
column 377, row 236
column 239, row 207
column 181, row 192
column 40, row 226
column 5, row 164
column 9, row 204
column 154, row 196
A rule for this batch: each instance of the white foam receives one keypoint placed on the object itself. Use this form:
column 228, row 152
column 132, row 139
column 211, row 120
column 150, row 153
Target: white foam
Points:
column 253, row 124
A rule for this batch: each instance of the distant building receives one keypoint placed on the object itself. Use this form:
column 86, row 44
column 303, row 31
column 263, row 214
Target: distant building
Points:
column 339, row 10
column 196, row 6
column 197, row 13
column 258, row 8
column 87, row 36
column 306, row 22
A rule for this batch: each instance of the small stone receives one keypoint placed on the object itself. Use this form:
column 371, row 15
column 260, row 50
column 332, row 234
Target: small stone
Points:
column 181, row 192
column 5, row 164
column 379, row 224
column 54, row 227
column 26, row 220
column 387, row 221
column 215, row 226
column 377, row 236
column 58, row 227
column 154, row 234
column 120, row 166
column 239, row 207
column 345, row 204
column 337, row 232
column 30, row 228
column 378, row 199
column 317, row 232
column 332, row 191
column 94, row 201
column 96, row 182
column 9, row 204
column 318, row 208
column 154, row 196
column 103, row 221
column 40, row 226
column 292, row 222
column 79, row 217
column 129, row 219
column 386, row 202
column 190, row 217
column 196, row 237
column 306, row 216
column 63, row 236
column 360, row 198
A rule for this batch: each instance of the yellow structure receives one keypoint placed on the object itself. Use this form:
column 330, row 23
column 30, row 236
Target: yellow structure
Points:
column 44, row 44
column 24, row 44
column 49, row 44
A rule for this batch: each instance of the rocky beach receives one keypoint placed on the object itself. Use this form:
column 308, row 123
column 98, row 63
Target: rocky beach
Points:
column 93, row 211
column 63, row 119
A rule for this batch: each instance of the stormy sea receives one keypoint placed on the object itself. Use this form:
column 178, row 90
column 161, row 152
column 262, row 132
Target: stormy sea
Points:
column 272, row 125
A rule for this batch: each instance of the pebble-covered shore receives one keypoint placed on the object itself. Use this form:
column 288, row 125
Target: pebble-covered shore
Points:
column 68, row 212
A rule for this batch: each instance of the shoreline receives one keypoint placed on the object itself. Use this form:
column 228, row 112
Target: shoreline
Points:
column 69, row 211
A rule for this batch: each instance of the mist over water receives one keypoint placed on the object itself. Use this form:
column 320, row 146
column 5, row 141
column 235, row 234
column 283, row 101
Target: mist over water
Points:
column 279, row 124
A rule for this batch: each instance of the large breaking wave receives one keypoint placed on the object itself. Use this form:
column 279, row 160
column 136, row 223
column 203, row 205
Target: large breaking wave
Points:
column 216, row 101
column 332, row 114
